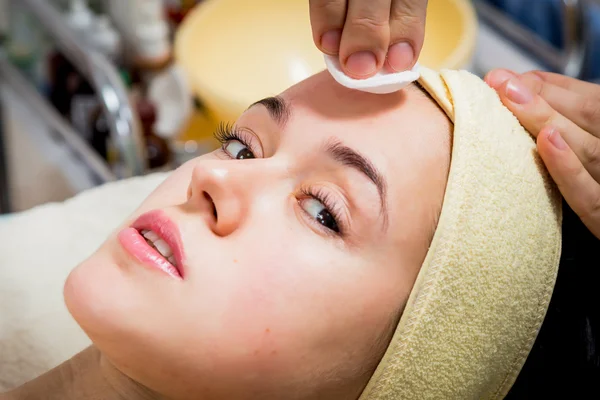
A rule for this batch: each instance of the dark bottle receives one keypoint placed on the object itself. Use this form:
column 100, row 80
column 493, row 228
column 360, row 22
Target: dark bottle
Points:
column 67, row 84
column 157, row 149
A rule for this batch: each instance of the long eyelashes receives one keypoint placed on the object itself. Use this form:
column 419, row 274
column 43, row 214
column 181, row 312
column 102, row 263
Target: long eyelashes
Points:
column 227, row 132
column 330, row 205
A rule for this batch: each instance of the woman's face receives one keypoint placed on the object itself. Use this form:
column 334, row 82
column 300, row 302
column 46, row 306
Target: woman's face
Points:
column 300, row 241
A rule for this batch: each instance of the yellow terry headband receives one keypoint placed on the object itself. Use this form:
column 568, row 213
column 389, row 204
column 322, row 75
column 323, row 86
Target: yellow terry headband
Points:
column 486, row 282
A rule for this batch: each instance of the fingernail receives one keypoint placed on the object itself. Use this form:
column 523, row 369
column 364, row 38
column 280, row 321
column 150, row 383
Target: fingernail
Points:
column 517, row 92
column 330, row 41
column 498, row 77
column 556, row 139
column 361, row 64
column 400, row 56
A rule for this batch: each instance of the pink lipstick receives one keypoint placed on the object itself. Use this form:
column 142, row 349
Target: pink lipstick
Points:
column 154, row 240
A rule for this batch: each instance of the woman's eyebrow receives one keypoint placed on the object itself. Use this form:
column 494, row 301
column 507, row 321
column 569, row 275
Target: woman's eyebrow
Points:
column 351, row 158
column 278, row 108
column 280, row 111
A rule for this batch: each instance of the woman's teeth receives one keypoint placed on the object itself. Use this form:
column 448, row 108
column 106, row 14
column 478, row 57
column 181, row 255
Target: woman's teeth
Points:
column 160, row 245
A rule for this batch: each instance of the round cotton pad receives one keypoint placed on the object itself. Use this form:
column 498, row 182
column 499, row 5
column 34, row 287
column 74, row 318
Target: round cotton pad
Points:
column 381, row 83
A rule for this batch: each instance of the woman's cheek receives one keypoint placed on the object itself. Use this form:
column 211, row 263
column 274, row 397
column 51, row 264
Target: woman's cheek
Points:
column 260, row 289
column 273, row 287
column 243, row 310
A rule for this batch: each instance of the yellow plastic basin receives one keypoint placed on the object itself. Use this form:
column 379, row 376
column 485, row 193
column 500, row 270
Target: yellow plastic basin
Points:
column 235, row 52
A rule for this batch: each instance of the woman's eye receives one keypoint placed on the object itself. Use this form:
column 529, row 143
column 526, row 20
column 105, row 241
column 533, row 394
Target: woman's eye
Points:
column 320, row 213
column 238, row 150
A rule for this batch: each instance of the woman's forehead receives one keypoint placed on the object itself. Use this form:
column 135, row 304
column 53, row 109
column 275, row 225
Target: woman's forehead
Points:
column 406, row 124
column 322, row 106
column 323, row 95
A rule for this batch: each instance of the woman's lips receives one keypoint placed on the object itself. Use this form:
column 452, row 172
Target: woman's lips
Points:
column 135, row 244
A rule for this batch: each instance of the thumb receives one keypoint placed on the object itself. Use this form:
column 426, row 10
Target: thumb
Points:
column 407, row 32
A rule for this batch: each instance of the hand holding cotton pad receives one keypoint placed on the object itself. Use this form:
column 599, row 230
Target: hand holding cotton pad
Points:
column 381, row 83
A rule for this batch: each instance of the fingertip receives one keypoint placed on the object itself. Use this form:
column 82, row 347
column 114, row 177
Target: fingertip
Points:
column 497, row 77
column 543, row 143
column 555, row 139
column 502, row 88
column 549, row 156
column 553, row 149
column 330, row 42
column 401, row 56
column 565, row 168
column 361, row 65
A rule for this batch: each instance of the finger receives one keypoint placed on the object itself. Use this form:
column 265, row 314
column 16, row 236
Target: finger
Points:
column 496, row 77
column 580, row 103
column 577, row 186
column 584, row 110
column 535, row 113
column 365, row 38
column 327, row 19
column 407, row 31
column 566, row 82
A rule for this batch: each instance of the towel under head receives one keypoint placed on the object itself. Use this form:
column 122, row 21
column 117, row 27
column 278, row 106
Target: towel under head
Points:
column 486, row 282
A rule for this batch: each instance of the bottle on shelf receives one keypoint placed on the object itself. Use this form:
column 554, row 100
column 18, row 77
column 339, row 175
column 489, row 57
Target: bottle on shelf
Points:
column 181, row 119
column 106, row 40
column 157, row 148
column 145, row 33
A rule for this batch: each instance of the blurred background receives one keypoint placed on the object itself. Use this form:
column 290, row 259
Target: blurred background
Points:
column 93, row 91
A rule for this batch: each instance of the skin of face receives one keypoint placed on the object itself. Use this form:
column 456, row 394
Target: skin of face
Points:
column 273, row 303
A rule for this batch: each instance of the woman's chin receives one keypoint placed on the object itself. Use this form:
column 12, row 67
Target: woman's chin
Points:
column 94, row 295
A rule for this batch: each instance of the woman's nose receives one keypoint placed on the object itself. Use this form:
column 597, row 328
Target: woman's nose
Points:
column 220, row 194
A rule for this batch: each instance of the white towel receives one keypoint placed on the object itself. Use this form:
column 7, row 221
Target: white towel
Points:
column 38, row 249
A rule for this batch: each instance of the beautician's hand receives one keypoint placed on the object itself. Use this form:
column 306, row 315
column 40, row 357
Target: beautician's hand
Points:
column 564, row 114
column 364, row 32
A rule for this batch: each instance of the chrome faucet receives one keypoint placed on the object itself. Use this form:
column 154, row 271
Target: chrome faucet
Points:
column 124, row 126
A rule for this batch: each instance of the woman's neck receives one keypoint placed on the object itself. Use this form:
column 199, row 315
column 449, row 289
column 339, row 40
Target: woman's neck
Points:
column 88, row 375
